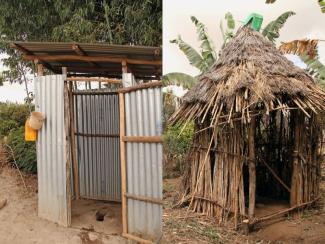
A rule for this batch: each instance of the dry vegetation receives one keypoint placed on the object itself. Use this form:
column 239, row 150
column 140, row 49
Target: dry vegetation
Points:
column 196, row 228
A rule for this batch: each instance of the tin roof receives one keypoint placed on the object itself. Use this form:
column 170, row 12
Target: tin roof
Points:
column 94, row 58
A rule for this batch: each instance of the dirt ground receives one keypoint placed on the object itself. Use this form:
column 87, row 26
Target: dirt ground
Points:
column 19, row 222
column 309, row 228
column 84, row 212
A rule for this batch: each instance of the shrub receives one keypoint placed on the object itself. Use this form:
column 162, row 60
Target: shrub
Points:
column 176, row 146
column 6, row 126
column 15, row 112
column 24, row 152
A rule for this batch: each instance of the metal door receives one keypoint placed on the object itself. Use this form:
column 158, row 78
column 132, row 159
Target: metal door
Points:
column 142, row 166
column 97, row 144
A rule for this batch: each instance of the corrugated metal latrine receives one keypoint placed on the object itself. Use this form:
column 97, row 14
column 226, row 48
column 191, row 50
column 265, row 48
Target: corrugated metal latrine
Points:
column 51, row 150
column 143, row 114
column 97, row 144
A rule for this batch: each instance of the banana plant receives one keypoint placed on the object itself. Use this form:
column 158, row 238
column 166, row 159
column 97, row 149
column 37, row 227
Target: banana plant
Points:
column 315, row 68
column 228, row 34
column 322, row 5
column 179, row 79
column 202, row 60
column 271, row 31
column 307, row 51
column 207, row 55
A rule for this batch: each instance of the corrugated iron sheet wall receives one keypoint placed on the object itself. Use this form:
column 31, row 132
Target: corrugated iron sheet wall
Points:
column 97, row 142
column 51, row 150
column 143, row 113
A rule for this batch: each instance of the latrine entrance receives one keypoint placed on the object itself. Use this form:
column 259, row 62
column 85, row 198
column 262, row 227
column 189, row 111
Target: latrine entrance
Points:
column 95, row 155
column 96, row 118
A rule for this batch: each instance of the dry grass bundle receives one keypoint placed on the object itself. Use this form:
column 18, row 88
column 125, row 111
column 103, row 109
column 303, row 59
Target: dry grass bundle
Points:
column 250, row 76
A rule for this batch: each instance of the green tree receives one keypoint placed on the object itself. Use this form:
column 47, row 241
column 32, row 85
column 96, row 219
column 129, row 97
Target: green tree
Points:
column 207, row 56
column 112, row 21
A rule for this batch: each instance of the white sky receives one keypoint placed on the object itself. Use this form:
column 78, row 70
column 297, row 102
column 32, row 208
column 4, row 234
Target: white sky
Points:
column 308, row 22
column 14, row 92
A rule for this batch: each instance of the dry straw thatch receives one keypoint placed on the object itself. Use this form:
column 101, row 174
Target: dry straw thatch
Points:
column 256, row 132
column 250, row 74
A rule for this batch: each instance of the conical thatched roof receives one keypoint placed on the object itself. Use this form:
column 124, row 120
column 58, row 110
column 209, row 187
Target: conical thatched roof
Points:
column 251, row 76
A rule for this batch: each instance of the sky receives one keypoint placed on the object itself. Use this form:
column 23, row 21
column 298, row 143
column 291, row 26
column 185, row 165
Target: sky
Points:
column 307, row 23
column 14, row 92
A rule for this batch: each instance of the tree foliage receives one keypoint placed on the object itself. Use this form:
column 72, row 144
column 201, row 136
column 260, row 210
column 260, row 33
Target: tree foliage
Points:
column 112, row 21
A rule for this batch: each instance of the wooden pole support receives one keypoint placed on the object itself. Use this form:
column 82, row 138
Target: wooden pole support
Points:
column 144, row 139
column 67, row 149
column 251, row 168
column 123, row 163
column 137, row 239
column 144, row 199
column 62, row 58
column 40, row 70
column 73, row 145
column 95, row 79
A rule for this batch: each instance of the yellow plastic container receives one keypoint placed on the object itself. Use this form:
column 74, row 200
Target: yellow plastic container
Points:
column 30, row 133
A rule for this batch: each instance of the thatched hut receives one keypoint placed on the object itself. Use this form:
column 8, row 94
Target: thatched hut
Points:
column 257, row 133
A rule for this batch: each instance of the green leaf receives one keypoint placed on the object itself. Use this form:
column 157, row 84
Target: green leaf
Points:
column 322, row 5
column 230, row 21
column 315, row 67
column 179, row 79
column 228, row 34
column 271, row 31
column 192, row 55
column 207, row 48
column 270, row 1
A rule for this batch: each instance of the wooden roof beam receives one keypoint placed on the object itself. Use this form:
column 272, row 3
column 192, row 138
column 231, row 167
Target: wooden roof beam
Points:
column 27, row 52
column 78, row 50
column 91, row 59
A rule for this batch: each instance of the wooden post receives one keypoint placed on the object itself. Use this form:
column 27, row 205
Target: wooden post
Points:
column 294, row 177
column 40, row 70
column 251, row 168
column 64, row 71
column 124, row 67
column 68, row 163
column 73, row 145
column 123, row 163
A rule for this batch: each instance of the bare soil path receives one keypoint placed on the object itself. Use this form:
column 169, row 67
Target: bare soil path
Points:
column 19, row 222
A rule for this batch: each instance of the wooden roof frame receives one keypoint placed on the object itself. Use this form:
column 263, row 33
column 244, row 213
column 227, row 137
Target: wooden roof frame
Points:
column 145, row 61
